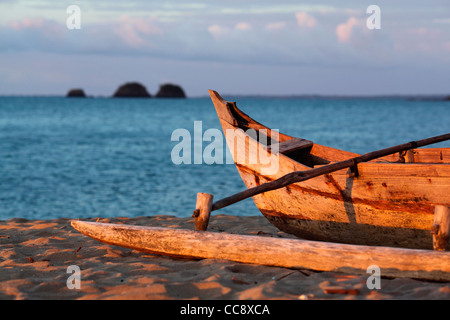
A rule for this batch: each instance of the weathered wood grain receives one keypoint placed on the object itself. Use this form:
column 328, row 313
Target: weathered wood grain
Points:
column 441, row 228
column 279, row 252
column 202, row 211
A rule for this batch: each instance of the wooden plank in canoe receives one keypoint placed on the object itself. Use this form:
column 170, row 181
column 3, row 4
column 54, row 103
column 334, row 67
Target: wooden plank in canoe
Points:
column 294, row 145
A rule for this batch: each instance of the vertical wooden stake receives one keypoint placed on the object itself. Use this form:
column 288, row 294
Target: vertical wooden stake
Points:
column 441, row 228
column 202, row 210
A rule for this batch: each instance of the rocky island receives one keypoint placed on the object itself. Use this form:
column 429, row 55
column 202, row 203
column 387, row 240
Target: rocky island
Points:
column 169, row 90
column 137, row 90
column 77, row 93
column 132, row 90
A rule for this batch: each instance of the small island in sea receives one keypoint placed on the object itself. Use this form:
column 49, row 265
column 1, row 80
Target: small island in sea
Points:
column 169, row 90
column 76, row 93
column 137, row 90
column 132, row 90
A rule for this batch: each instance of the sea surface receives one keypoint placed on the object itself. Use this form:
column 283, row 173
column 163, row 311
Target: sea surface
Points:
column 106, row 157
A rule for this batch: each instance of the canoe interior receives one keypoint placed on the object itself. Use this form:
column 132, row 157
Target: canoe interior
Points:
column 320, row 155
column 389, row 202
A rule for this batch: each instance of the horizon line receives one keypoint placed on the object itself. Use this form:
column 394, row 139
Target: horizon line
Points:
column 439, row 96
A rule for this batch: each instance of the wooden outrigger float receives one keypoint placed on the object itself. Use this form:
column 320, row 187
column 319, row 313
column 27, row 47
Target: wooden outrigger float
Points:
column 355, row 210
column 278, row 252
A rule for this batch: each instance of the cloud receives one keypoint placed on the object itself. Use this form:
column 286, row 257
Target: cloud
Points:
column 284, row 35
column 145, row 25
column 276, row 25
column 305, row 20
column 125, row 34
column 428, row 39
column 344, row 30
column 133, row 30
column 33, row 33
column 27, row 23
column 243, row 26
column 217, row 30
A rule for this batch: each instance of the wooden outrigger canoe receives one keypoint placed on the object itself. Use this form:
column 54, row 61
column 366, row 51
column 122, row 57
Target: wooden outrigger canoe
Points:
column 279, row 252
column 377, row 206
column 389, row 201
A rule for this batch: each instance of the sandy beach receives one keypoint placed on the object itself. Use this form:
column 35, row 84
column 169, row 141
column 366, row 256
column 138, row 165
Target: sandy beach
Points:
column 35, row 256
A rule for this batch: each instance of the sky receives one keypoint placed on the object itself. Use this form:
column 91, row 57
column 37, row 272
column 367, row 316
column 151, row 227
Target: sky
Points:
column 252, row 47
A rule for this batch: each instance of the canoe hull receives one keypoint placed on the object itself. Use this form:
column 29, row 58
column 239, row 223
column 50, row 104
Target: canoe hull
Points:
column 353, row 234
column 325, row 216
column 387, row 203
